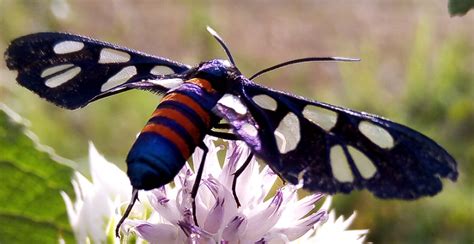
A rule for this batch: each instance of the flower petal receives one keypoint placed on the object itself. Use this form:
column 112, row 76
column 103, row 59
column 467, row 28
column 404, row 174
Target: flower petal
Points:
column 268, row 178
column 274, row 238
column 164, row 206
column 297, row 230
column 224, row 207
column 114, row 182
column 157, row 233
column 215, row 217
column 233, row 154
column 261, row 222
column 212, row 166
column 334, row 231
column 196, row 234
column 234, row 229
column 71, row 211
column 297, row 209
column 258, row 182
column 93, row 215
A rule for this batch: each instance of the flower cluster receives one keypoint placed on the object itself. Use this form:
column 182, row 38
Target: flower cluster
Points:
column 164, row 215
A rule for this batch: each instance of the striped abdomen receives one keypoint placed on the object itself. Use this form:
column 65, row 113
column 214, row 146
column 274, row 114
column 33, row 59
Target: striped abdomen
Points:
column 176, row 127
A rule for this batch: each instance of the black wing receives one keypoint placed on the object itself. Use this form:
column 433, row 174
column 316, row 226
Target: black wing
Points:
column 71, row 70
column 332, row 149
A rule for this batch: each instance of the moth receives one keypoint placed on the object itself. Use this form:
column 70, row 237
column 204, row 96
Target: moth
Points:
column 326, row 148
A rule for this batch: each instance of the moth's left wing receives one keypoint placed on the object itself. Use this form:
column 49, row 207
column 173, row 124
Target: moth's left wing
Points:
column 332, row 149
column 71, row 70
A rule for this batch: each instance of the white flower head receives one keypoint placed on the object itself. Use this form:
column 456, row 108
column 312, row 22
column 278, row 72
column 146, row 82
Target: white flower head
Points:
column 96, row 201
column 164, row 215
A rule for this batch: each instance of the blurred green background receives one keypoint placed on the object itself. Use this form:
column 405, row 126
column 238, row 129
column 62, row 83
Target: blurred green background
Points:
column 417, row 68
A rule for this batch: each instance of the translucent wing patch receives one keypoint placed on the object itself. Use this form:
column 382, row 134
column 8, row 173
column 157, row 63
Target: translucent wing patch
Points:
column 244, row 125
column 332, row 149
column 71, row 70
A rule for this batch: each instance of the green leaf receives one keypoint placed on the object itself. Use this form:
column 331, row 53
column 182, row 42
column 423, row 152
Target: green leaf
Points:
column 460, row 7
column 31, row 208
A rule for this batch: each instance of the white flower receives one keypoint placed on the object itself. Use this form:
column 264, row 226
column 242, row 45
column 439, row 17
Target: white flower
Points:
column 96, row 201
column 164, row 215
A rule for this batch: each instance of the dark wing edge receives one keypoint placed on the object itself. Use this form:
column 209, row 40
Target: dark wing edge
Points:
column 71, row 70
column 352, row 151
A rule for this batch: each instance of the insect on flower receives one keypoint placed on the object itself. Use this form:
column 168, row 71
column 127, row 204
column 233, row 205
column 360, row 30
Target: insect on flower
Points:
column 326, row 148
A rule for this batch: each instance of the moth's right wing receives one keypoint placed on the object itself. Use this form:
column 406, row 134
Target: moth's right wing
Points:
column 335, row 150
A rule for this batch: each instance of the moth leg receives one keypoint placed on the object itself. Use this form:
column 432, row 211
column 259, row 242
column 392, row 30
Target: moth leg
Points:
column 127, row 212
column 197, row 181
column 223, row 135
column 237, row 174
column 230, row 136
column 223, row 126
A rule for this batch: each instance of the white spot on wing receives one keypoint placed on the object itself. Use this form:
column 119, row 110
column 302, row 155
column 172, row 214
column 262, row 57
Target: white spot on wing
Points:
column 232, row 101
column 62, row 78
column 289, row 129
column 55, row 69
column 167, row 83
column 161, row 70
column 280, row 140
column 339, row 165
column 121, row 77
column 324, row 118
column 364, row 164
column 265, row 102
column 108, row 55
column 68, row 47
column 376, row 134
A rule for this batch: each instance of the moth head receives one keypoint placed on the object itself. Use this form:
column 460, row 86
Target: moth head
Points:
column 218, row 71
column 216, row 67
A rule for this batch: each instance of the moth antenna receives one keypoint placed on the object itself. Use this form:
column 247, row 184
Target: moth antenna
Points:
column 127, row 212
column 221, row 41
column 303, row 60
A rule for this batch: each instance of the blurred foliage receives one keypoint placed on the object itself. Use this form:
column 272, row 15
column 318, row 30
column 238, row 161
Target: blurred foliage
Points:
column 31, row 209
column 460, row 7
column 416, row 68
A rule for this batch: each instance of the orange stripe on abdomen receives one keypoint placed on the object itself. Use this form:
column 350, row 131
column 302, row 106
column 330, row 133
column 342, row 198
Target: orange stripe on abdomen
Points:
column 190, row 119
column 204, row 84
column 188, row 102
column 171, row 135
column 180, row 119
